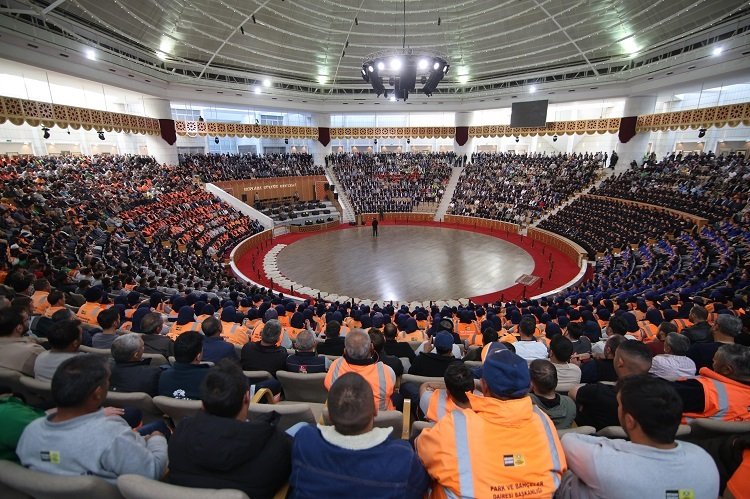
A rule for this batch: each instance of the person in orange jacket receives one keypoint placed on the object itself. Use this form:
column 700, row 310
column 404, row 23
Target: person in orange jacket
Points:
column 502, row 445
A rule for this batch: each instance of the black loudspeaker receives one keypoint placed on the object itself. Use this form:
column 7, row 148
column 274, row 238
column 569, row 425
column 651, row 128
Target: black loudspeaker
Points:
column 244, row 198
column 327, row 186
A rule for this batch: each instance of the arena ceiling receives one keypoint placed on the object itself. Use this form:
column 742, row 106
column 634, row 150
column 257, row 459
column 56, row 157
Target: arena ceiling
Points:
column 316, row 47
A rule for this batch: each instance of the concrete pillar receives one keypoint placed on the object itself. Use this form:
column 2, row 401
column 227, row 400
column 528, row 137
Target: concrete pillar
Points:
column 635, row 105
column 318, row 150
column 464, row 119
column 157, row 147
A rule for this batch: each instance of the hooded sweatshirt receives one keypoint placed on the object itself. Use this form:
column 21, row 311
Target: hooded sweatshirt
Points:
column 222, row 453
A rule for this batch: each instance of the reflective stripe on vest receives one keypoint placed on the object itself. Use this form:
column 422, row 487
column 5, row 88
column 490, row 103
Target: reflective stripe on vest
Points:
column 336, row 370
column 550, row 432
column 382, row 387
column 465, row 473
column 442, row 396
column 722, row 399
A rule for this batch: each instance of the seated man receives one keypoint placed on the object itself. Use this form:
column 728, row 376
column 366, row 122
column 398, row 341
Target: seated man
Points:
column 722, row 392
column 597, row 402
column 79, row 439
column 700, row 331
column 334, row 342
column 264, row 355
column 395, row 347
column 560, row 408
column 219, row 448
column 183, row 379
column 674, row 363
column 723, row 332
column 352, row 457
column 130, row 372
column 16, row 352
column 304, row 359
column 15, row 415
column 649, row 410
column 153, row 341
column 560, row 353
column 436, row 399
column 527, row 346
column 215, row 348
column 502, row 443
column 378, row 347
column 429, row 363
column 64, row 340
column 358, row 358
column 109, row 321
column 597, row 370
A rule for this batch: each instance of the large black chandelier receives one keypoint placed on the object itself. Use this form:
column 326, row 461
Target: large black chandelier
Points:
column 401, row 69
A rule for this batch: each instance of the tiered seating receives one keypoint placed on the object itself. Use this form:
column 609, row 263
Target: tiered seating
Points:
column 391, row 182
column 702, row 184
column 305, row 212
column 218, row 167
column 517, row 188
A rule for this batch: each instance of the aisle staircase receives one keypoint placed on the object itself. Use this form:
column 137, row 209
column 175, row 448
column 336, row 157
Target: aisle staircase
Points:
column 606, row 173
column 450, row 188
column 347, row 210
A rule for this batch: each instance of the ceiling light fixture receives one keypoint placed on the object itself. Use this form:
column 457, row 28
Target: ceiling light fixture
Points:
column 91, row 54
column 46, row 132
column 532, row 89
column 717, row 51
column 101, row 135
column 161, row 55
column 402, row 68
column 216, row 140
column 266, row 83
column 701, row 133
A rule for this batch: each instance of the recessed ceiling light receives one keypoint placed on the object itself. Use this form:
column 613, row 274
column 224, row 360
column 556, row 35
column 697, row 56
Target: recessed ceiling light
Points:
column 266, row 82
column 91, row 54
column 256, row 90
column 322, row 79
column 718, row 51
column 396, row 63
column 532, row 89
column 161, row 55
column 462, row 79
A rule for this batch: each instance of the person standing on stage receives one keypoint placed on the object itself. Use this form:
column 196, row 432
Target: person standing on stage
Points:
column 374, row 227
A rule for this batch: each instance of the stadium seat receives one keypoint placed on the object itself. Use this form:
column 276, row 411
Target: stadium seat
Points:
column 177, row 408
column 255, row 376
column 98, row 351
column 47, row 486
column 300, row 387
column 583, row 430
column 139, row 487
column 156, row 359
column 10, row 378
column 709, row 425
column 291, row 413
column 38, row 390
column 138, row 400
column 417, row 427
column 619, row 431
column 384, row 419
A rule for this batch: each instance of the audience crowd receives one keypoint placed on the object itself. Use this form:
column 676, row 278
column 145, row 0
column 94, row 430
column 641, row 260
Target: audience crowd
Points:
column 388, row 182
column 519, row 188
column 219, row 167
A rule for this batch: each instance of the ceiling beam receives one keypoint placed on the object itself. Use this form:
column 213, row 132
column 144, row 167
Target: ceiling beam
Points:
column 52, row 6
column 552, row 18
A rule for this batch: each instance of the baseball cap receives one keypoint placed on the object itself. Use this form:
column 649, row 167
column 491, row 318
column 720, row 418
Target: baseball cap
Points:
column 506, row 374
column 443, row 341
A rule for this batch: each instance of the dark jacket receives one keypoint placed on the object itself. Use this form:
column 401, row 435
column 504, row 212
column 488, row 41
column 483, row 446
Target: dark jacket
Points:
column 312, row 362
column 321, row 469
column 215, row 349
column 431, row 364
column 183, row 380
column 400, row 349
column 138, row 376
column 698, row 333
column 392, row 362
column 207, row 451
column 332, row 346
column 256, row 357
column 156, row 343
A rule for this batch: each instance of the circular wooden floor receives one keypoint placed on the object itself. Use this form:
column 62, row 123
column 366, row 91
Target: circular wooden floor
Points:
column 405, row 263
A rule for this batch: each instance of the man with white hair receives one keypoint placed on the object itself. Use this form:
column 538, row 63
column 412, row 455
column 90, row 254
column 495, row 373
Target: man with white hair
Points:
column 358, row 358
column 673, row 363
column 723, row 332
column 131, row 372
column 305, row 359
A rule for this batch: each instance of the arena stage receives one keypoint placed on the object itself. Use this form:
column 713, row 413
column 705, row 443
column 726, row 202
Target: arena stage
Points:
column 413, row 262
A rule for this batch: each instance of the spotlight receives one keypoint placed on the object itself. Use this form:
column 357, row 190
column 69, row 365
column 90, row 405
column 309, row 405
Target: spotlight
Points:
column 356, row 21
column 242, row 30
column 101, row 135
column 381, row 66
column 445, row 68
column 266, row 83
column 91, row 54
column 253, row 18
column 376, row 141
column 286, row 141
column 517, row 139
column 393, row 98
column 364, row 74
column 68, row 131
column 408, row 141
column 216, row 140
column 532, row 89
column 423, row 63
column 395, row 64
column 46, row 132
column 701, row 133
column 436, row 66
column 200, row 119
column 370, row 68
column 554, row 138
column 717, row 51
column 439, row 21
column 256, row 90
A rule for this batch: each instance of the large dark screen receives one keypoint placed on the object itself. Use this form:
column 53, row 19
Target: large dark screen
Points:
column 529, row 114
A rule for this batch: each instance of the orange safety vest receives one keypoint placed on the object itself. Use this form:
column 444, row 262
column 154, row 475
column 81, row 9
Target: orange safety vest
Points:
column 440, row 405
column 381, row 378
column 649, row 331
column 234, row 333
column 178, row 329
column 51, row 311
column 89, row 311
column 293, row 332
column 39, row 301
column 726, row 399
column 496, row 447
column 739, row 484
column 284, row 320
column 681, row 324
column 415, row 336
column 351, row 323
column 476, row 340
column 465, row 330
column 712, row 316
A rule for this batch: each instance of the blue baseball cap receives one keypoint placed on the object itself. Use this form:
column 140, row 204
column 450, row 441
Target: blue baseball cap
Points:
column 506, row 374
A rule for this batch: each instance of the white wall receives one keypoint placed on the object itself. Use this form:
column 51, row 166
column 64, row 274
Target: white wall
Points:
column 26, row 139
